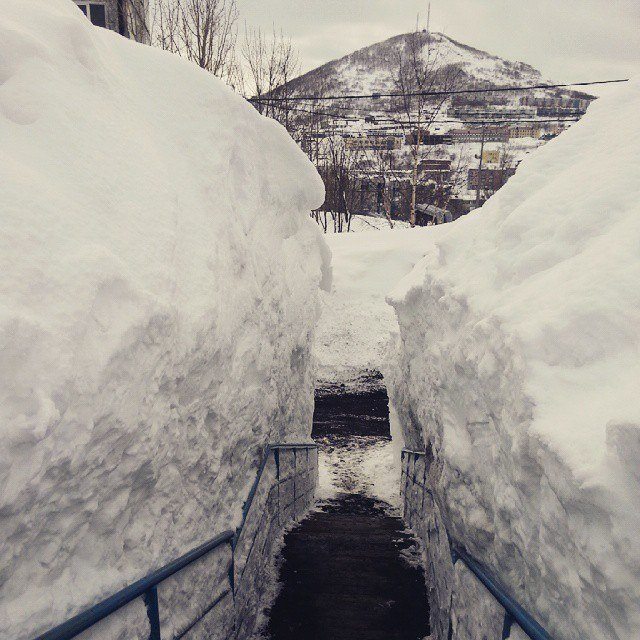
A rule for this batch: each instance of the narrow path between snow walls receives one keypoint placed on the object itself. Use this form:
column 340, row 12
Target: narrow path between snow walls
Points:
column 351, row 569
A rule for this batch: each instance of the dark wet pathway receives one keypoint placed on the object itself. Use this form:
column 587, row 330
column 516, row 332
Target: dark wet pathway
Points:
column 349, row 569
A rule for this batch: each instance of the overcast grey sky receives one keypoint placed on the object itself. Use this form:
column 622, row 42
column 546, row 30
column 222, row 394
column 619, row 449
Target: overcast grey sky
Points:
column 568, row 40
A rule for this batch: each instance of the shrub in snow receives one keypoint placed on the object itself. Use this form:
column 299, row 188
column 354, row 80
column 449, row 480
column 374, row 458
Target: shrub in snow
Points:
column 157, row 302
column 518, row 366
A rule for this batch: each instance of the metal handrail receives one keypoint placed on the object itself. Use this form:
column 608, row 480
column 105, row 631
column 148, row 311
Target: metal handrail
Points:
column 514, row 610
column 88, row 618
column 525, row 621
column 254, row 487
column 147, row 587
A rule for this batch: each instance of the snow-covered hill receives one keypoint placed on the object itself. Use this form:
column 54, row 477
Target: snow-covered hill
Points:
column 374, row 68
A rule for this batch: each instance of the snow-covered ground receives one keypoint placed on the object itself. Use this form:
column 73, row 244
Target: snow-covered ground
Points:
column 157, row 303
column 362, row 223
column 356, row 322
column 519, row 365
column 366, row 464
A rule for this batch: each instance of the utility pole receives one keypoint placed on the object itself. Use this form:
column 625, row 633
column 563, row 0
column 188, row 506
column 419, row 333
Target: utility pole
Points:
column 479, row 183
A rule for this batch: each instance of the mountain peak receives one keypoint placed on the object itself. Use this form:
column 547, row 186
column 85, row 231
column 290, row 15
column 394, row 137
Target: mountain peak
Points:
column 373, row 69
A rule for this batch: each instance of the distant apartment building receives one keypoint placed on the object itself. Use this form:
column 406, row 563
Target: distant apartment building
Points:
column 556, row 112
column 476, row 134
column 312, row 144
column 524, row 130
column 491, row 156
column 557, row 102
column 428, row 139
column 126, row 17
column 436, row 169
column 373, row 142
column 492, row 179
column 488, row 112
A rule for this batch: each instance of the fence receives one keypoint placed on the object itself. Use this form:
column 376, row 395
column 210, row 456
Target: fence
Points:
column 415, row 492
column 238, row 562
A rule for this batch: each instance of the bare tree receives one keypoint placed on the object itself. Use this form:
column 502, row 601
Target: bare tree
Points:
column 134, row 19
column 337, row 171
column 203, row 31
column 164, row 25
column 382, row 165
column 271, row 62
column 207, row 33
column 419, row 73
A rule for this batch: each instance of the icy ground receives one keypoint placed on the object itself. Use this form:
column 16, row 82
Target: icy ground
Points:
column 356, row 451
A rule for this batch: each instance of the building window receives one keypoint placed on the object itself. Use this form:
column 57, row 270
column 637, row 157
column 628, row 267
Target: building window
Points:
column 95, row 11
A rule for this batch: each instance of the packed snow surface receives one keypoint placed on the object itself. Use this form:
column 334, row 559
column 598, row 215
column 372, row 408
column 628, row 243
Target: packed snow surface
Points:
column 356, row 323
column 157, row 302
column 519, row 365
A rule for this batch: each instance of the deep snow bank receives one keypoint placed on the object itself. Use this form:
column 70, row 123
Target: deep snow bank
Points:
column 518, row 365
column 157, row 300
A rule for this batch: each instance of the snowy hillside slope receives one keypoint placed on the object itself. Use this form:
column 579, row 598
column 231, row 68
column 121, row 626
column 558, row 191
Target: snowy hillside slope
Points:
column 518, row 364
column 373, row 68
column 157, row 302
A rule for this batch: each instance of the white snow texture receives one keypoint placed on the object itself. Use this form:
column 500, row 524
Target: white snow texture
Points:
column 518, row 364
column 157, row 302
column 356, row 323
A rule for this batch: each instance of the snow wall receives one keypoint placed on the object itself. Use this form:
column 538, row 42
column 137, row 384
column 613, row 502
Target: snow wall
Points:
column 157, row 304
column 518, row 372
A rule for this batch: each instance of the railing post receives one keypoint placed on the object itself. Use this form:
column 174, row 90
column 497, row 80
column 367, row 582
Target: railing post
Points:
column 424, row 482
column 295, row 477
column 153, row 612
column 407, row 479
column 276, row 457
column 232, row 566
column 506, row 625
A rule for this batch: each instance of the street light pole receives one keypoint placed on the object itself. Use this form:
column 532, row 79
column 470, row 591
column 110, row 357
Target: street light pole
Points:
column 479, row 181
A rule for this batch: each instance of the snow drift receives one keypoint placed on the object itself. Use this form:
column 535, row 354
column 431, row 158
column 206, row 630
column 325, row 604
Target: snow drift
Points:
column 157, row 303
column 518, row 367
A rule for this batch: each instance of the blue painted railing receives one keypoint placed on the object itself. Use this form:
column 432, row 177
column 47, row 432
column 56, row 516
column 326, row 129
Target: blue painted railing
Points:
column 146, row 587
column 514, row 612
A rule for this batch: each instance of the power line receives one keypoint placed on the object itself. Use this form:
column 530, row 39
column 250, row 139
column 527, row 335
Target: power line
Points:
column 400, row 123
column 449, row 92
column 477, row 122
column 350, row 112
column 573, row 117
column 311, row 111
